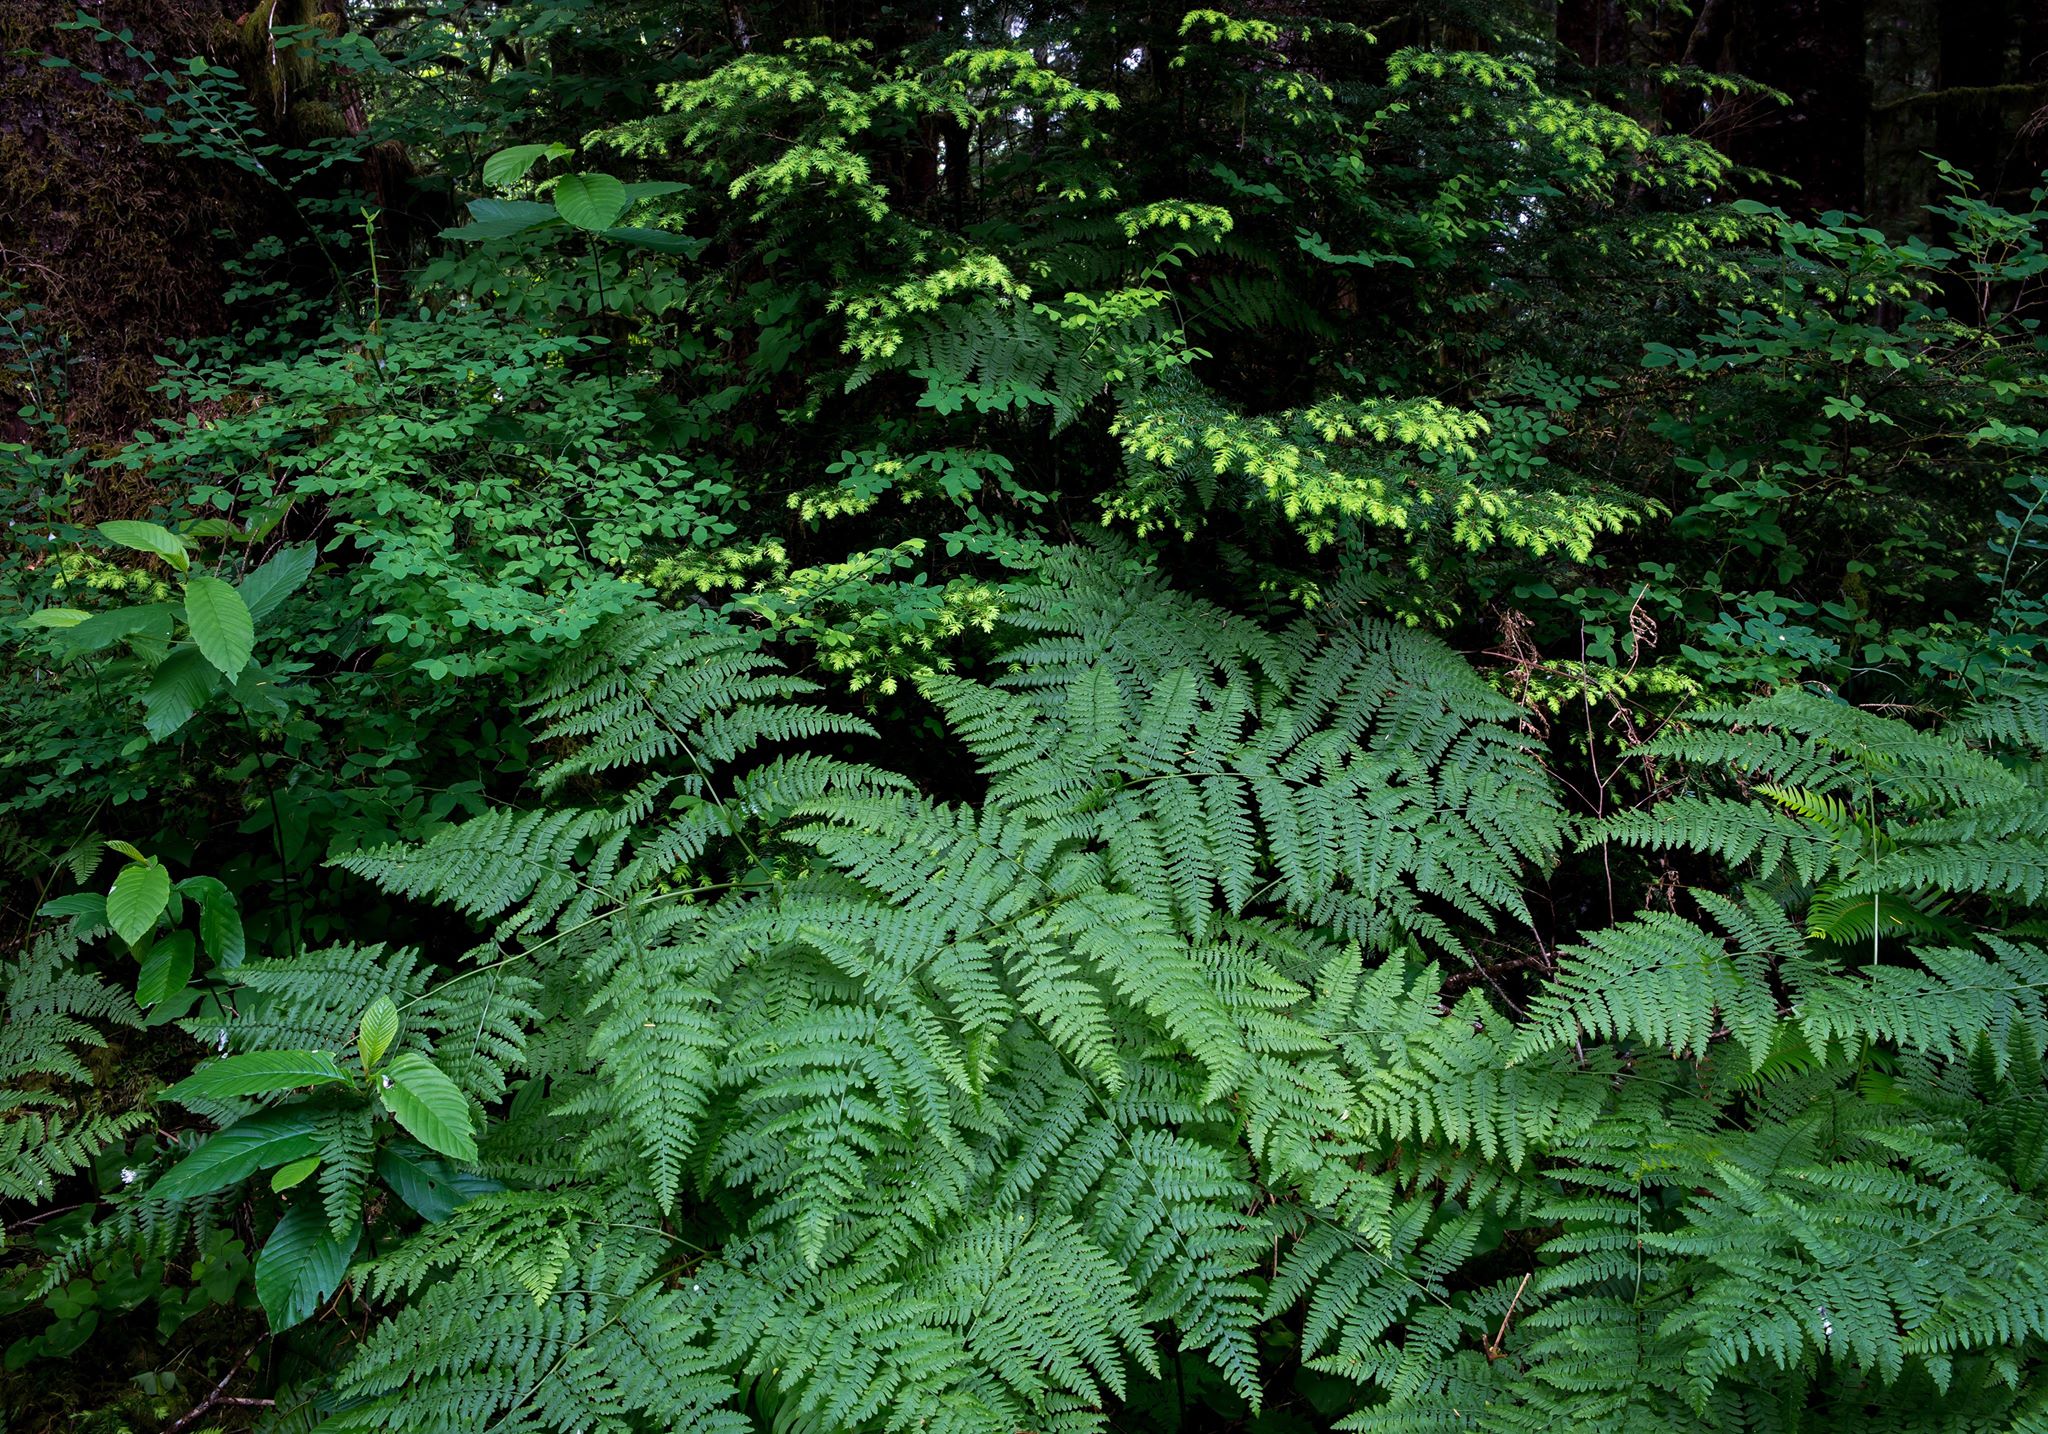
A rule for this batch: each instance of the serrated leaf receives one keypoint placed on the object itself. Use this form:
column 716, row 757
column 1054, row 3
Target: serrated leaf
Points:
column 257, row 1073
column 89, row 905
column 591, row 202
column 141, row 891
column 178, row 688
column 148, row 538
column 221, row 625
column 660, row 240
column 376, row 1031
column 166, row 970
column 432, row 1187
column 277, row 580
column 287, row 1176
column 301, row 1264
column 103, row 630
column 220, row 920
column 509, row 166
column 428, row 1105
column 273, row 1137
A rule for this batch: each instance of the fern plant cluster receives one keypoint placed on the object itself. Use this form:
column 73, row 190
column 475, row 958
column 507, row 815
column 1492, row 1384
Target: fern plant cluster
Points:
column 803, row 1097
column 1046, row 717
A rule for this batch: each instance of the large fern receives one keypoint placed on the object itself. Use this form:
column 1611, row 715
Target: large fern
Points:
column 861, row 1109
column 886, row 999
column 50, row 1012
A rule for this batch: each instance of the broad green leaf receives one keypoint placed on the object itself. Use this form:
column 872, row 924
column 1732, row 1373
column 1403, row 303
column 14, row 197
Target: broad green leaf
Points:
column 220, row 920
column 658, row 239
column 149, row 538
column 277, row 580
column 494, row 229
column 87, row 904
column 377, row 1030
column 220, row 927
column 527, row 211
column 502, row 218
column 67, row 1336
column 257, row 1073
column 428, row 1105
column 262, row 520
column 431, row 1186
column 55, row 617
column 180, row 686
column 302, row 1263
column 127, row 848
column 103, row 630
column 221, row 624
column 141, row 891
column 166, row 970
column 591, row 201
column 295, row 1173
column 272, row 1137
column 257, row 689
column 509, row 166
column 652, row 189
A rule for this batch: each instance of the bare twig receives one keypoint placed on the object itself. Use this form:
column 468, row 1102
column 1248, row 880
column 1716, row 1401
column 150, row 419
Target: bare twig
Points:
column 219, row 1396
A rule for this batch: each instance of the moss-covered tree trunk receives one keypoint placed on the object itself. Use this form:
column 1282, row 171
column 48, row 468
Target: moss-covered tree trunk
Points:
column 115, row 246
column 115, row 249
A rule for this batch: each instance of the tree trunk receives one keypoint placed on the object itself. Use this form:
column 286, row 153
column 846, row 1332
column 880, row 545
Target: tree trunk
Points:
column 1813, row 51
column 120, row 248
column 1594, row 32
column 110, row 241
column 1970, row 128
column 1904, row 53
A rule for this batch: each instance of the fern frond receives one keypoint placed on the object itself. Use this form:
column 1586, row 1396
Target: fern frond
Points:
column 49, row 1010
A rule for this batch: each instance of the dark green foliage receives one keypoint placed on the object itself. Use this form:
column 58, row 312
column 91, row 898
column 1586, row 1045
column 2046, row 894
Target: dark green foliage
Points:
column 50, row 1006
column 1041, row 718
